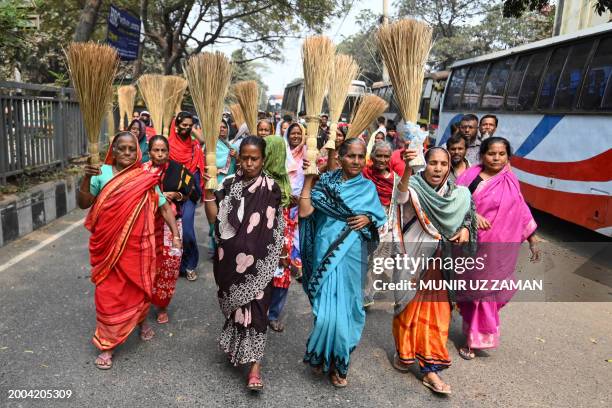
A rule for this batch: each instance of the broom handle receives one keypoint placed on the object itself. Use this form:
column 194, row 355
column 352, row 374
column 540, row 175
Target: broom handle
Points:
column 94, row 153
column 331, row 141
column 312, row 130
column 211, row 170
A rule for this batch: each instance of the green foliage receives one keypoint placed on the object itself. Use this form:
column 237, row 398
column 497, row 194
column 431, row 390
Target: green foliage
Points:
column 362, row 47
column 516, row 8
column 16, row 33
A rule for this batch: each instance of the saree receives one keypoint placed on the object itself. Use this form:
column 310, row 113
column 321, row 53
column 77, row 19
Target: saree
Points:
column 333, row 260
column 500, row 201
column 427, row 217
column 249, row 238
column 122, row 251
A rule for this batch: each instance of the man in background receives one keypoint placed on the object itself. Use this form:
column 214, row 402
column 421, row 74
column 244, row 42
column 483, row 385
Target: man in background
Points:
column 487, row 126
column 468, row 128
column 457, row 148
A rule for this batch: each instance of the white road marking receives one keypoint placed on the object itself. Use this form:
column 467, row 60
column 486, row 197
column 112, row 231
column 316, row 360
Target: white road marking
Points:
column 40, row 245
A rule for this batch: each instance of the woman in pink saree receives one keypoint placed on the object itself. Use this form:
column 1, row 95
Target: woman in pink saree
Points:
column 503, row 217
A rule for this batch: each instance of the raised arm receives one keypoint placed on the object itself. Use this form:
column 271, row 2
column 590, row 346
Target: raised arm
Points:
column 305, row 207
column 85, row 199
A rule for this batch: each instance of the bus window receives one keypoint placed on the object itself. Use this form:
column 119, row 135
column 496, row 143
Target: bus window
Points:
column 598, row 77
column 473, row 84
column 571, row 77
column 493, row 97
column 531, row 82
column 453, row 94
column 551, row 77
column 516, row 79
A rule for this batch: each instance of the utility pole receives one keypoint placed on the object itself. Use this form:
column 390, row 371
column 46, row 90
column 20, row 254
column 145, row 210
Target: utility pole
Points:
column 385, row 21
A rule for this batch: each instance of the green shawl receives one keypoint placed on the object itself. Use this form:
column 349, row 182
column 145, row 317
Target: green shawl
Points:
column 274, row 166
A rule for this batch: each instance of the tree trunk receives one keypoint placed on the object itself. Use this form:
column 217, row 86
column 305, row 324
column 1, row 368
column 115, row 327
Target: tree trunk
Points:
column 143, row 17
column 87, row 21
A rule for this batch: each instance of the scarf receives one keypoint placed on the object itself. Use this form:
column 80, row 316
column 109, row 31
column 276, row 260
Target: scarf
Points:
column 274, row 166
column 295, row 158
column 384, row 186
column 186, row 152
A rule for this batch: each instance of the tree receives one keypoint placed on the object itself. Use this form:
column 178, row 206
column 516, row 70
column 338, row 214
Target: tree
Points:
column 16, row 34
column 516, row 8
column 362, row 46
column 87, row 21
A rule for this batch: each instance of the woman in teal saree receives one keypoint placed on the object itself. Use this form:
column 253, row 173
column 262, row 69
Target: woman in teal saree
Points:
column 339, row 218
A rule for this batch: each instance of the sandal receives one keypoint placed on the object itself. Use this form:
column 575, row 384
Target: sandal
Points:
column 276, row 326
column 104, row 361
column 337, row 381
column 466, row 353
column 191, row 275
column 399, row 365
column 439, row 387
column 162, row 317
column 147, row 334
column 254, row 382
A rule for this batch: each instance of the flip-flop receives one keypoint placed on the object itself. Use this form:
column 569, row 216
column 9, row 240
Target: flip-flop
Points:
column 162, row 318
column 276, row 326
column 435, row 389
column 105, row 362
column 466, row 353
column 254, row 382
column 147, row 334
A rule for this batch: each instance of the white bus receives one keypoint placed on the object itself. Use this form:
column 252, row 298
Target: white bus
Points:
column 293, row 99
column 553, row 99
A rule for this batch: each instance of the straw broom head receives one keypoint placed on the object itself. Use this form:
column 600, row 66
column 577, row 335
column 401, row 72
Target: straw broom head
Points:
column 209, row 76
column 345, row 70
column 404, row 46
column 369, row 109
column 174, row 88
column 92, row 69
column 126, row 96
column 247, row 94
column 151, row 87
column 317, row 52
column 237, row 114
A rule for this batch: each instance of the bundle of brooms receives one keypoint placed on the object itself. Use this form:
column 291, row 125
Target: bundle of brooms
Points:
column 317, row 52
column 209, row 76
column 370, row 107
column 174, row 89
column 345, row 69
column 126, row 96
column 237, row 115
column 151, row 88
column 404, row 47
column 247, row 94
column 92, row 69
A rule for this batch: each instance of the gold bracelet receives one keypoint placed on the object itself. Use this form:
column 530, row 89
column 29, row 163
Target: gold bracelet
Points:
column 208, row 200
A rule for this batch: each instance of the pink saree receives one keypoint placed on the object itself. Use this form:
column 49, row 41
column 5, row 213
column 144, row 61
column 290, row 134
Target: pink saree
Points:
column 500, row 201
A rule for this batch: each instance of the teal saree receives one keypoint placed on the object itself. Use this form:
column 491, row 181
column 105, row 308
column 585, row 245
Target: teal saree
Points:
column 334, row 259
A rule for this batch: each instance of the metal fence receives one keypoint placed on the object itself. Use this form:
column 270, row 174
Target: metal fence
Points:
column 41, row 127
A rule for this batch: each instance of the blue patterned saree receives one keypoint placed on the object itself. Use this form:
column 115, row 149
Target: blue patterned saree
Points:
column 334, row 259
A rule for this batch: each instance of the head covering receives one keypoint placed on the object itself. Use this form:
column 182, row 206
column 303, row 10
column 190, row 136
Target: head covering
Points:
column 274, row 166
column 243, row 131
column 142, row 128
column 144, row 112
column 186, row 152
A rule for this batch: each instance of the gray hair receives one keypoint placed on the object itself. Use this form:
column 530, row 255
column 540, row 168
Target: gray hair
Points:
column 381, row 145
column 344, row 147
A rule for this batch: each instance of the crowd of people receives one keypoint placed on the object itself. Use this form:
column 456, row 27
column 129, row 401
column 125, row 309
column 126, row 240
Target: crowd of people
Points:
column 271, row 222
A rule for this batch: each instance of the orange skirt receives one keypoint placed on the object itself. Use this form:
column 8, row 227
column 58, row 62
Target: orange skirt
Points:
column 421, row 329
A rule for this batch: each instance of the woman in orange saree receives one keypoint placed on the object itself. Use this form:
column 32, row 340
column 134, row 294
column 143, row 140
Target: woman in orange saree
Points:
column 123, row 200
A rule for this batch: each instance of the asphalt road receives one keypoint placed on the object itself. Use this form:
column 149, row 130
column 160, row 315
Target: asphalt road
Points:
column 551, row 354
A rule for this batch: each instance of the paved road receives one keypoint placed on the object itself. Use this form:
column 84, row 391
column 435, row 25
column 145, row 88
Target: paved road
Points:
column 552, row 354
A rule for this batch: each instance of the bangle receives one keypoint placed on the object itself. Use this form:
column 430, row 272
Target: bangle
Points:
column 180, row 196
column 208, row 200
column 305, row 198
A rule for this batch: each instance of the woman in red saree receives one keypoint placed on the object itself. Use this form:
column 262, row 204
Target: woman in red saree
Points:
column 123, row 200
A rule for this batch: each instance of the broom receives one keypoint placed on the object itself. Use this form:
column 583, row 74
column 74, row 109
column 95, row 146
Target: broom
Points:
column 317, row 51
column 404, row 47
column 126, row 96
column 237, row 114
column 247, row 94
column 151, row 87
column 174, row 88
column 370, row 107
column 92, row 69
column 209, row 77
column 344, row 71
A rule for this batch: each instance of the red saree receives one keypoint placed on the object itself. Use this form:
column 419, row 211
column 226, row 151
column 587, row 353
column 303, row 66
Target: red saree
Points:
column 122, row 252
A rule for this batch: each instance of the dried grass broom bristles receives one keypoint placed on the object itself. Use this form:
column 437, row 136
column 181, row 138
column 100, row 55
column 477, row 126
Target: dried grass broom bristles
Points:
column 370, row 107
column 237, row 114
column 317, row 52
column 92, row 69
column 404, row 47
column 209, row 78
column 247, row 94
column 344, row 71
column 126, row 96
column 174, row 88
column 151, row 88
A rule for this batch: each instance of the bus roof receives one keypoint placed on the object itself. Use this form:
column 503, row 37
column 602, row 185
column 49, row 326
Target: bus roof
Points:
column 436, row 76
column 538, row 44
